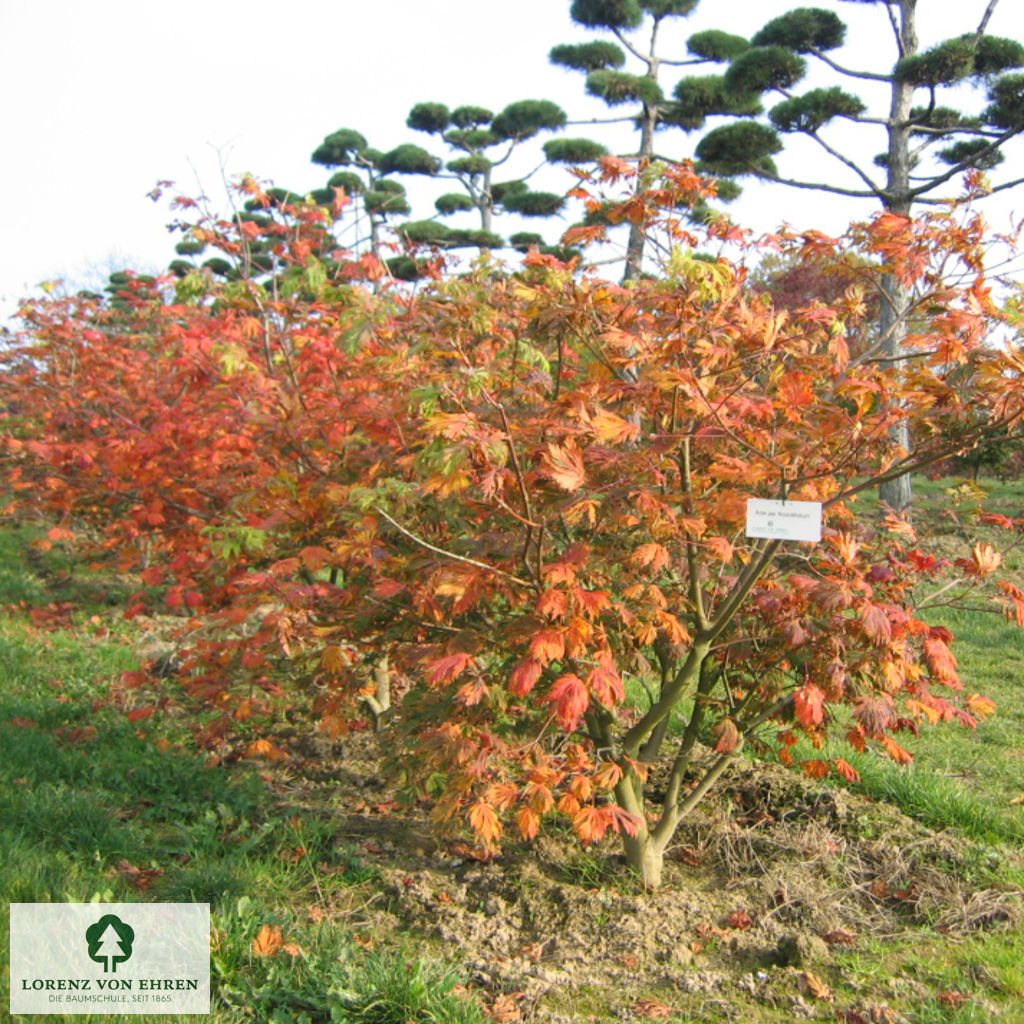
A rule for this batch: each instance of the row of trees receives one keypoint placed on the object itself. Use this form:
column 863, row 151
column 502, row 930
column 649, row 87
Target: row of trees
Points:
column 513, row 504
column 739, row 102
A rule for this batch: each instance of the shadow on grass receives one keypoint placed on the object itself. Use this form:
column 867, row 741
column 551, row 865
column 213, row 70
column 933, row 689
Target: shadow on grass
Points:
column 85, row 798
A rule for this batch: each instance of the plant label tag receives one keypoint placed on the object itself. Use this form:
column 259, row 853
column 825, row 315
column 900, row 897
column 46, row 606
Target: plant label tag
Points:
column 784, row 520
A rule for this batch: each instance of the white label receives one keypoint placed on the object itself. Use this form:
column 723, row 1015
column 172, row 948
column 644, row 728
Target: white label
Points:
column 784, row 520
column 122, row 958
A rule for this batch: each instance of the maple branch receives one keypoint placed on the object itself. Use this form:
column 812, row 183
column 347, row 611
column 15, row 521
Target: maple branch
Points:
column 741, row 588
column 523, row 492
column 451, row 554
column 696, row 596
column 668, row 699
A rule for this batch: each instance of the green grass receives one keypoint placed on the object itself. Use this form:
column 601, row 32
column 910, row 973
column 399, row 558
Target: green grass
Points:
column 91, row 803
column 88, row 801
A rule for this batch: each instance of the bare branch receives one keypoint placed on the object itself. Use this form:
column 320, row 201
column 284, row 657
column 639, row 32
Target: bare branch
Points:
column 451, row 554
column 983, row 24
column 870, row 76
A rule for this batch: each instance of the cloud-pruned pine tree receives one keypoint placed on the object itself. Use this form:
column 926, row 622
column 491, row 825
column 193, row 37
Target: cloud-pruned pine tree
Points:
column 927, row 143
column 366, row 178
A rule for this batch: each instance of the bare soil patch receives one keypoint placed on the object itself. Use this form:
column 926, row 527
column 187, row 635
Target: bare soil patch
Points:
column 768, row 886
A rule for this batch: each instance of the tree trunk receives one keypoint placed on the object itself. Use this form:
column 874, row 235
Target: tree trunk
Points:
column 635, row 246
column 898, row 493
column 645, row 856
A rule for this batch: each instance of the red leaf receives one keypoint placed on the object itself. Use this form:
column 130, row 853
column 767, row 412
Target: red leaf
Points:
column 816, row 769
column 941, row 661
column 451, row 666
column 847, row 770
column 740, row 920
column 269, row 941
column 484, row 820
column 809, row 705
column 605, row 683
column 727, row 736
column 570, row 697
column 138, row 714
column 652, row 556
column 528, row 821
column 524, row 676
column 876, row 624
column 896, row 752
column 548, row 645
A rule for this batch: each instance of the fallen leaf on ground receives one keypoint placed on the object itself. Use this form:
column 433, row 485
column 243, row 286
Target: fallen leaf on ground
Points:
column 269, row 940
column 812, row 985
column 652, row 1008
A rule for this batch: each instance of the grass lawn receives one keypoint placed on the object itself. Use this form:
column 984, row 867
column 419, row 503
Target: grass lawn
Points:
column 97, row 807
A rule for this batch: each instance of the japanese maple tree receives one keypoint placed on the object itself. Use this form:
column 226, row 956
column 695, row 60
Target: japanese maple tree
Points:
column 526, row 494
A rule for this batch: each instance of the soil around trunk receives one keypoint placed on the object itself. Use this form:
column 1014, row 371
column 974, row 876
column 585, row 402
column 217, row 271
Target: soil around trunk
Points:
column 765, row 889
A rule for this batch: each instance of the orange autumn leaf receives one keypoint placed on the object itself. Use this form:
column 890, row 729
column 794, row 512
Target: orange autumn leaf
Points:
column 268, row 941
column 485, row 823
column 570, row 696
column 809, row 705
column 563, row 466
column 264, row 748
column 981, row 706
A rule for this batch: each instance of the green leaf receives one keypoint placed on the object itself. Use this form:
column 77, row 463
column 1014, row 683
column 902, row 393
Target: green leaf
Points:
column 803, row 30
column 453, row 202
column 994, row 53
column 348, row 180
column 469, row 165
column 1007, row 98
column 607, row 13
column 523, row 119
column 500, row 189
column 522, row 240
column 809, row 112
column 946, row 64
column 716, row 45
column 594, row 56
column 426, row 232
column 668, row 8
column 616, row 87
column 534, row 204
column 409, row 159
column 573, row 151
column 969, row 152
column 741, row 148
column 339, row 148
column 700, row 96
column 471, row 117
column 429, row 117
column 765, row 67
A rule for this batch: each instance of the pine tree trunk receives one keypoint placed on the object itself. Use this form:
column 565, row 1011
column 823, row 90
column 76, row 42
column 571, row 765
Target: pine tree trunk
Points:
column 898, row 493
column 635, row 246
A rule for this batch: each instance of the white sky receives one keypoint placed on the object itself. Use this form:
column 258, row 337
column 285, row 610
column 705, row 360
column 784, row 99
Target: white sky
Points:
column 102, row 99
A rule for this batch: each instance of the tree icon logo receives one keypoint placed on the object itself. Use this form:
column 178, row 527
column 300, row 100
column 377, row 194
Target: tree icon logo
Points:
column 110, row 942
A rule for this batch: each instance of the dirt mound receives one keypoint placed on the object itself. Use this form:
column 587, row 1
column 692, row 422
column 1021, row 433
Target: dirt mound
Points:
column 766, row 886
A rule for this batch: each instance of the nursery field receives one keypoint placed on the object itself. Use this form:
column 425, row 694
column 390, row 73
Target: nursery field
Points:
column 895, row 899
